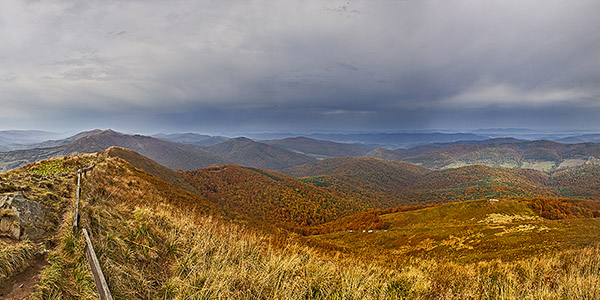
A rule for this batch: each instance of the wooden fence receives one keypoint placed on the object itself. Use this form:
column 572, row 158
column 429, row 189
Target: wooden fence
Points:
column 101, row 286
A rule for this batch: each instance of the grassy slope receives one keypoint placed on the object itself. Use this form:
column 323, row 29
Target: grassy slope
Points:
column 52, row 183
column 471, row 231
column 163, row 246
column 169, row 245
column 14, row 257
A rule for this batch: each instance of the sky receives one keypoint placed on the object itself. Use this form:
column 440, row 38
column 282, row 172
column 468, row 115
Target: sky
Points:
column 308, row 65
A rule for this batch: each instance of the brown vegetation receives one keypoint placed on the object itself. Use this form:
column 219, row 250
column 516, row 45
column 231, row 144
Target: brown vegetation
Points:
column 150, row 248
column 157, row 238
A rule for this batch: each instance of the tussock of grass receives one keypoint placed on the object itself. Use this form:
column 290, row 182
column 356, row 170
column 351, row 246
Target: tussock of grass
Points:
column 13, row 258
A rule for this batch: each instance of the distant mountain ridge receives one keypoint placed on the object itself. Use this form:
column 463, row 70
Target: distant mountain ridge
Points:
column 19, row 139
column 285, row 153
column 320, row 149
column 244, row 151
column 397, row 140
column 391, row 184
column 191, row 138
column 540, row 155
column 170, row 154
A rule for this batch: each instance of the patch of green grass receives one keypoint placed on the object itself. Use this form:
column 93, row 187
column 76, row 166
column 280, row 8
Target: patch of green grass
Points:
column 50, row 167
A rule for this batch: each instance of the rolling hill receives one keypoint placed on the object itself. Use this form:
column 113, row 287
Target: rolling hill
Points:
column 320, row 149
column 389, row 184
column 374, row 181
column 269, row 196
column 246, row 152
column 254, row 194
column 539, row 155
column 474, row 182
column 191, row 138
column 577, row 182
column 172, row 155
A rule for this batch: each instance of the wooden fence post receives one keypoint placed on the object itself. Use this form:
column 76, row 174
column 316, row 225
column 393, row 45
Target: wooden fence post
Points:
column 101, row 285
column 76, row 216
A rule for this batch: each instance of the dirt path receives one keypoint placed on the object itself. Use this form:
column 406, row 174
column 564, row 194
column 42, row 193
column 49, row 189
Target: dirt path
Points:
column 22, row 285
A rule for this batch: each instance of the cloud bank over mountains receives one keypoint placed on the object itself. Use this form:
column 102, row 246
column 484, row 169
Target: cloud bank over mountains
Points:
column 194, row 65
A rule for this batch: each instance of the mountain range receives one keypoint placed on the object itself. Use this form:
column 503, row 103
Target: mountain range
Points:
column 15, row 139
column 193, row 151
column 178, row 155
column 154, row 224
column 339, row 187
column 511, row 153
column 191, row 138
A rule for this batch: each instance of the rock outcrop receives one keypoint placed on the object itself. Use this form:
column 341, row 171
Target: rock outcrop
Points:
column 21, row 218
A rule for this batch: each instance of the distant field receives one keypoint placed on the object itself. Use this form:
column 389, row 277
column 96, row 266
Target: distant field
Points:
column 470, row 231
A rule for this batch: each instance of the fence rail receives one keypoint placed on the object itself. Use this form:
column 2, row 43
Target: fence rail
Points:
column 101, row 285
column 76, row 214
column 99, row 279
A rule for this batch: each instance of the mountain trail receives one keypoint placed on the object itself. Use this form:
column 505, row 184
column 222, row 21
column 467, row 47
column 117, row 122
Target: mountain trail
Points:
column 22, row 285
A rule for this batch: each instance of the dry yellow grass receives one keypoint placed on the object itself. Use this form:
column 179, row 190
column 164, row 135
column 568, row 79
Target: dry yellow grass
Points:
column 14, row 257
column 157, row 254
column 152, row 247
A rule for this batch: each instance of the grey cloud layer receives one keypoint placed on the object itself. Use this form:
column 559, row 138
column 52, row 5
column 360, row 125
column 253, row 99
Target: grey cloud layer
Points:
column 370, row 63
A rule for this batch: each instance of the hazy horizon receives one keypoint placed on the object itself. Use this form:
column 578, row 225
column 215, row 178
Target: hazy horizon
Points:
column 238, row 66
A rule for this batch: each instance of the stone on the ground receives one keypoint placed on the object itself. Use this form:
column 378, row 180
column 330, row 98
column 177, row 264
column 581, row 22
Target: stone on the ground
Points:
column 21, row 218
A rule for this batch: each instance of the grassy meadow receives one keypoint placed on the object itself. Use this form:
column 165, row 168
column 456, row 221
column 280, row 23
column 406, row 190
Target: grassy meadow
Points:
column 156, row 241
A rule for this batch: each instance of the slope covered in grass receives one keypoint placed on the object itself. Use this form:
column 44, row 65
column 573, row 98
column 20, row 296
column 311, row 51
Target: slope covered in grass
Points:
column 154, row 245
column 471, row 231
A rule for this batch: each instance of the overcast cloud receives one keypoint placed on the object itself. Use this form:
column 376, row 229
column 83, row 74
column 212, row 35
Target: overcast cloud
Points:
column 206, row 66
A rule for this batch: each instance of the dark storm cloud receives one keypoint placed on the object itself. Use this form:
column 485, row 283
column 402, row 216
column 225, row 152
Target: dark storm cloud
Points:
column 303, row 64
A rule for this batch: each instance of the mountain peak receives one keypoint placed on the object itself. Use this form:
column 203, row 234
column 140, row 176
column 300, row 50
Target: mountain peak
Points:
column 242, row 140
column 108, row 132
